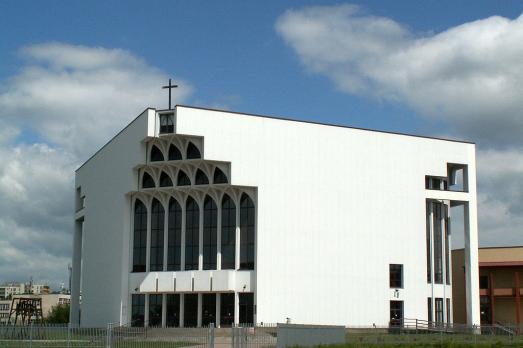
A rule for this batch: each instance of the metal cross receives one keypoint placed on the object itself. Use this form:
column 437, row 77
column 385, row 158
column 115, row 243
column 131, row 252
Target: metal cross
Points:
column 170, row 86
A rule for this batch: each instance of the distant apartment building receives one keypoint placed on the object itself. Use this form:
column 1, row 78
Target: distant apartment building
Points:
column 500, row 282
column 5, row 306
column 9, row 289
column 48, row 302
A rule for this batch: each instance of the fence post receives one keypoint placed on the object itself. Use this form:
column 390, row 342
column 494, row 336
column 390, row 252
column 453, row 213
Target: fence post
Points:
column 109, row 334
column 211, row 335
column 31, row 335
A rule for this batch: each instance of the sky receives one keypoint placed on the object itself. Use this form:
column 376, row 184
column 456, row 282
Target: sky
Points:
column 73, row 73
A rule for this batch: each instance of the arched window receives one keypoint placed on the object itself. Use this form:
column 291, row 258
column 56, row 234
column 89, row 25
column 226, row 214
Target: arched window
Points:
column 183, row 179
column 228, row 233
column 139, row 236
column 219, row 176
column 247, row 218
column 156, row 154
column 174, row 236
column 174, row 153
column 157, row 224
column 192, row 234
column 165, row 180
column 201, row 178
column 147, row 181
column 210, row 230
column 192, row 151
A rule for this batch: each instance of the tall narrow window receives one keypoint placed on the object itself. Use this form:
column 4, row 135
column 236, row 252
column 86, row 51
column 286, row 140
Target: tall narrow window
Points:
column 438, row 310
column 430, row 318
column 172, row 315
column 447, row 305
column 138, row 310
column 396, row 312
column 139, row 237
column 157, row 226
column 226, row 309
column 174, row 236
column 192, row 222
column 438, row 245
column 219, row 176
column 428, row 239
column 165, row 180
column 174, row 153
column 396, row 276
column 247, row 220
column 183, row 179
column 156, row 154
column 201, row 178
column 190, row 310
column 246, row 302
column 166, row 123
column 228, row 242
column 208, row 309
column 147, row 181
column 210, row 226
column 155, row 310
column 192, row 151
column 447, row 245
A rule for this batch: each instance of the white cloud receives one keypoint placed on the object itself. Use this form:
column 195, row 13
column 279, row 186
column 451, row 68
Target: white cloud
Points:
column 469, row 76
column 74, row 98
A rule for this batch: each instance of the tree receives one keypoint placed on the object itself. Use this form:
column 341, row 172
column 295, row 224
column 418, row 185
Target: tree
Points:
column 59, row 314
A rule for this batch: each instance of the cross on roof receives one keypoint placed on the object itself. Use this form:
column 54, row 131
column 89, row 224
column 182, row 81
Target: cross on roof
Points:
column 170, row 86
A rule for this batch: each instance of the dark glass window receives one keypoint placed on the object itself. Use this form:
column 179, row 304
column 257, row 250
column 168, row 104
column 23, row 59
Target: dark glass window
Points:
column 190, row 310
column 192, row 151
column 165, row 180
column 208, row 309
column 201, row 178
column 192, row 222
column 247, row 220
column 447, row 305
column 396, row 275
column 246, row 302
column 157, row 227
column 172, row 315
column 438, row 243
column 156, row 154
column 228, row 233
column 138, row 310
column 429, row 309
column 166, row 123
column 447, row 245
column 219, row 176
column 226, row 309
column 210, row 230
column 147, row 181
column 438, row 310
column 483, row 282
column 139, row 237
column 484, row 309
column 435, row 183
column 174, row 236
column 396, row 312
column 174, row 153
column 155, row 310
column 183, row 179
column 429, row 253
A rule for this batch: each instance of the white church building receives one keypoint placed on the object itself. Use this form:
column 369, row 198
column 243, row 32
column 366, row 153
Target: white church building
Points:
column 193, row 216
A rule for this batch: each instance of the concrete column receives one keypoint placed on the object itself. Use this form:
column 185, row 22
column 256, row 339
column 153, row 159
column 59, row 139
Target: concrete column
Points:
column 164, row 310
column 182, row 306
column 199, row 316
column 218, row 309
column 238, row 234
column 236, row 308
column 471, row 263
column 219, row 239
column 146, row 314
column 200, row 237
column 76, row 273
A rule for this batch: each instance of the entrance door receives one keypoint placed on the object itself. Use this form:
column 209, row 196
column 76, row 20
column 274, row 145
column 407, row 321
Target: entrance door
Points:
column 396, row 313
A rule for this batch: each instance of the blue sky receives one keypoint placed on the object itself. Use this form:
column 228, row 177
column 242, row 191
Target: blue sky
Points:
column 73, row 73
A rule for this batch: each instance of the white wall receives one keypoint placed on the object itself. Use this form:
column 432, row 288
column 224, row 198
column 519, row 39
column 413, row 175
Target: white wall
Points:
column 336, row 206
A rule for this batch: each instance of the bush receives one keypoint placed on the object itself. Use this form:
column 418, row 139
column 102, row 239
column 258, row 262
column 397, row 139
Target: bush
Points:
column 59, row 315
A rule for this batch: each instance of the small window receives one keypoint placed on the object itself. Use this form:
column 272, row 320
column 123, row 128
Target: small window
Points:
column 219, row 176
column 174, row 153
column 147, row 181
column 483, row 282
column 156, row 154
column 435, row 183
column 438, row 310
column 165, row 180
column 429, row 309
column 201, row 178
column 166, row 123
column 396, row 313
column 396, row 275
column 183, row 179
column 192, row 151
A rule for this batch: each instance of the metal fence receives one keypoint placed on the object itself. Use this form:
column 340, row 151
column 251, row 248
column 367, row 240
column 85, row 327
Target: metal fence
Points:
column 406, row 332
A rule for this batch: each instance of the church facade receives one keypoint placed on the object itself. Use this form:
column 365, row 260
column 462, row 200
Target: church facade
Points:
column 192, row 216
